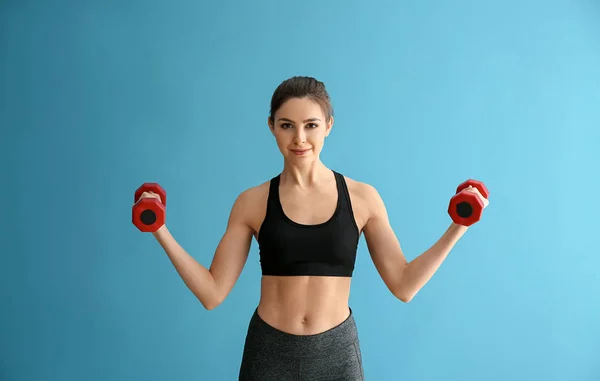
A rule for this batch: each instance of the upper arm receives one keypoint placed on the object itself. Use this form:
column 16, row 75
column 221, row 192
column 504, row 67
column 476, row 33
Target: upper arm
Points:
column 382, row 242
column 233, row 248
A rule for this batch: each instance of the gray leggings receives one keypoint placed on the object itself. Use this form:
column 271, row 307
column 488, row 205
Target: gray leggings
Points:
column 270, row 354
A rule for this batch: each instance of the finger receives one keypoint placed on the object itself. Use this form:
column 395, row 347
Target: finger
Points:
column 148, row 195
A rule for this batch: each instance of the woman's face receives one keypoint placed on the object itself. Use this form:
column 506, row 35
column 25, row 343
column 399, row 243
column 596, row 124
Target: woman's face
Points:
column 300, row 128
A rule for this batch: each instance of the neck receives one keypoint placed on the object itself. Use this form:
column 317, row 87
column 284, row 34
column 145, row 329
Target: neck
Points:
column 305, row 175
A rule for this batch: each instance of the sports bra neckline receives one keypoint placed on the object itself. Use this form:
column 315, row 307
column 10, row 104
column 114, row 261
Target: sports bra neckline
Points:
column 277, row 200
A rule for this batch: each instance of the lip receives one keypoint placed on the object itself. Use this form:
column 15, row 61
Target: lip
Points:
column 300, row 152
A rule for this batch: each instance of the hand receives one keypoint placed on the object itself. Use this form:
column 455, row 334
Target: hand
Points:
column 472, row 189
column 148, row 212
column 156, row 196
column 149, row 195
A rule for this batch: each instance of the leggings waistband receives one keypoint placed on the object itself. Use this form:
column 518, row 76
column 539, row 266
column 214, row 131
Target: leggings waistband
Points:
column 280, row 343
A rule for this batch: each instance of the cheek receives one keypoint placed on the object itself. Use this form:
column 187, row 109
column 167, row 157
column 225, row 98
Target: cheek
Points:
column 282, row 138
column 317, row 137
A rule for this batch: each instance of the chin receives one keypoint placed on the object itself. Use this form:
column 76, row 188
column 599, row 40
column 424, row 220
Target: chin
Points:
column 292, row 158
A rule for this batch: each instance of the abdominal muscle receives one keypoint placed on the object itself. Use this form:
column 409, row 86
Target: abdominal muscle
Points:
column 304, row 305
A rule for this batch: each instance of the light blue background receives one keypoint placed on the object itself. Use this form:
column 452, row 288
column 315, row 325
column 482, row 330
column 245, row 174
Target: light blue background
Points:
column 98, row 97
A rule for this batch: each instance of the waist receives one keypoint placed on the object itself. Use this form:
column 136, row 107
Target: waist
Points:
column 304, row 305
column 265, row 338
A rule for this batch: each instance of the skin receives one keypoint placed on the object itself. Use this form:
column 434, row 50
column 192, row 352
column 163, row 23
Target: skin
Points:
column 305, row 305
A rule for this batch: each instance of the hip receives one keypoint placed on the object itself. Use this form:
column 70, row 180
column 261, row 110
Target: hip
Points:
column 270, row 353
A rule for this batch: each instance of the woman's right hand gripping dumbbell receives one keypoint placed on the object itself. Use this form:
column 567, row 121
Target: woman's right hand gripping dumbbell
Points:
column 149, row 210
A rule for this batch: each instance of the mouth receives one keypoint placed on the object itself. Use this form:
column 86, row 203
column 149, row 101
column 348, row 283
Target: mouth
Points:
column 300, row 152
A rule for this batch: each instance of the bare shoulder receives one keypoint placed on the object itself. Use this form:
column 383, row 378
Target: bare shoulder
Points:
column 366, row 202
column 364, row 193
column 254, row 194
column 251, row 205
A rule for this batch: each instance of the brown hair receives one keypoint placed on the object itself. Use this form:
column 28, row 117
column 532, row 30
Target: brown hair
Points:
column 301, row 87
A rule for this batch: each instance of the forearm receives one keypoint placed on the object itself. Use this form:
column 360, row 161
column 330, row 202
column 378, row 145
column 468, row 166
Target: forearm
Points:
column 420, row 270
column 195, row 276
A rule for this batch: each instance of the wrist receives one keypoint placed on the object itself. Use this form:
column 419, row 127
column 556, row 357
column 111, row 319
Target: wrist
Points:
column 161, row 232
column 458, row 228
column 456, row 231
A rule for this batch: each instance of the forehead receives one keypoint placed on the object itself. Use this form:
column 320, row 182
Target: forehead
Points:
column 300, row 108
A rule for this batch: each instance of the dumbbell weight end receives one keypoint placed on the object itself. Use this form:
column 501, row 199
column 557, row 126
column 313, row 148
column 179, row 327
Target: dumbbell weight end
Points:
column 148, row 214
column 466, row 208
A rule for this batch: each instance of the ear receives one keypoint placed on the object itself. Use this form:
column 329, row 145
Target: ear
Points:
column 271, row 126
column 329, row 126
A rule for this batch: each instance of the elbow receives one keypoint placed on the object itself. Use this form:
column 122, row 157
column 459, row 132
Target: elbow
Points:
column 209, row 301
column 404, row 295
column 210, row 305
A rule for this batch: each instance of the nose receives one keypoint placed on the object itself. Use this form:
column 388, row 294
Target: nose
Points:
column 300, row 137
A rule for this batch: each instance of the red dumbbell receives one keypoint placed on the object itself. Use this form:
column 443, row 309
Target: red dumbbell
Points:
column 465, row 207
column 148, row 214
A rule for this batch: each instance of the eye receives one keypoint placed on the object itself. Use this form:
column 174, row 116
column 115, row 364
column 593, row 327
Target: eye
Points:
column 285, row 125
column 312, row 125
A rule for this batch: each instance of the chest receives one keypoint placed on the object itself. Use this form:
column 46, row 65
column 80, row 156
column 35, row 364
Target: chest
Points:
column 317, row 206
column 309, row 207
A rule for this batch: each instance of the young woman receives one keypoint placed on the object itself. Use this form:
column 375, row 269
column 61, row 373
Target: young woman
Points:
column 307, row 221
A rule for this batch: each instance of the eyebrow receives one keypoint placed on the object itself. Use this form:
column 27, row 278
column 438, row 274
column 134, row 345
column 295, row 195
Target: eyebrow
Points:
column 304, row 121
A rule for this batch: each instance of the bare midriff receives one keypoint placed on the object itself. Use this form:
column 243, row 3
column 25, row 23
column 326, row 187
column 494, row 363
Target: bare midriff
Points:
column 304, row 305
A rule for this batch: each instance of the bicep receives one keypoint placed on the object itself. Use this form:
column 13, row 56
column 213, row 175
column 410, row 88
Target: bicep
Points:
column 382, row 242
column 233, row 248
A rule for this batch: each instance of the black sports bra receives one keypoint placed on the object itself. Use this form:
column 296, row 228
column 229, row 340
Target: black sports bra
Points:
column 288, row 248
